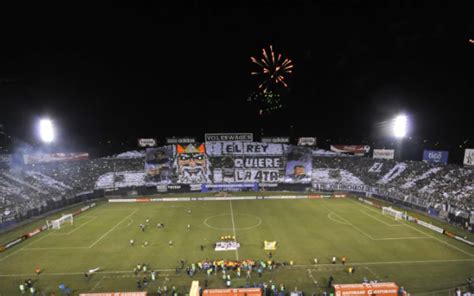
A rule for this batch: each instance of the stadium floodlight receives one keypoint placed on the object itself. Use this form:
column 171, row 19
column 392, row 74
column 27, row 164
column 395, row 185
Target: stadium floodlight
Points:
column 400, row 126
column 46, row 130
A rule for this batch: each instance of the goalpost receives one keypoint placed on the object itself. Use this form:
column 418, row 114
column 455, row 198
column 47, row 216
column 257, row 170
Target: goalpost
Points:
column 56, row 224
column 397, row 214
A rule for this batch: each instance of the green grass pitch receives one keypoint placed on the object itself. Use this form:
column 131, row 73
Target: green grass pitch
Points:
column 377, row 245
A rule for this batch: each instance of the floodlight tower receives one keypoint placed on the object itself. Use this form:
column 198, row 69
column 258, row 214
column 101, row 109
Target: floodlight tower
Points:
column 400, row 130
column 46, row 130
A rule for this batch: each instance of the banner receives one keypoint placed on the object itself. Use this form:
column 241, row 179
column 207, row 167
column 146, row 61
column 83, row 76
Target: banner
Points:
column 384, row 153
column 184, row 140
column 435, row 156
column 354, row 149
column 269, row 246
column 307, row 141
column 159, row 164
column 243, row 148
column 299, row 165
column 276, row 140
column 150, row 142
column 53, row 157
column 242, row 137
column 469, row 157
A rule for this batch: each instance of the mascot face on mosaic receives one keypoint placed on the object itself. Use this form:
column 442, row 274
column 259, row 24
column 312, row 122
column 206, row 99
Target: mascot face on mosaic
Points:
column 192, row 164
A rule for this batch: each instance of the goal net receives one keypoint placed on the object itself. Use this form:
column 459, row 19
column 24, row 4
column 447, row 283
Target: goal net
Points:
column 389, row 211
column 56, row 224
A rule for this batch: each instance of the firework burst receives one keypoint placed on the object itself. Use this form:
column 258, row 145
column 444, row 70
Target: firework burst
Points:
column 267, row 102
column 273, row 67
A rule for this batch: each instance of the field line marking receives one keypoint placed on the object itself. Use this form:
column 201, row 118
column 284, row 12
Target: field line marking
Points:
column 112, row 229
column 436, row 291
column 233, row 227
column 406, row 223
column 297, row 265
column 337, row 221
column 348, row 223
column 55, row 248
column 441, row 241
column 402, row 238
column 388, row 262
column 373, row 273
column 98, row 283
column 381, row 221
column 72, row 231
column 79, row 273
column 3, row 258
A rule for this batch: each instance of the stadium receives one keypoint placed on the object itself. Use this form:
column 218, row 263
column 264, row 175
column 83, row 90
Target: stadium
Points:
column 231, row 205
column 237, row 148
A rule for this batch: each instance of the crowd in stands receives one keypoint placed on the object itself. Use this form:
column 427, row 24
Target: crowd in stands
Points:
column 38, row 185
column 27, row 187
column 434, row 185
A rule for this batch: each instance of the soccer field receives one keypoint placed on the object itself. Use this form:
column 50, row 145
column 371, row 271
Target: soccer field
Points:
column 378, row 246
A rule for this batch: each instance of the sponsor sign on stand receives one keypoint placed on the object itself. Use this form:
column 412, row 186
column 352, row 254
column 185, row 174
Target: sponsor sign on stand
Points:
column 162, row 188
column 384, row 153
column 179, row 187
column 150, row 142
column 276, row 140
column 307, row 141
column 229, row 187
column 231, row 137
column 469, row 157
column 435, row 156
column 184, row 140
column 353, row 149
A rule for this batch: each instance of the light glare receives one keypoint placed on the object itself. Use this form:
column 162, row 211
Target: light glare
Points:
column 400, row 126
column 46, row 130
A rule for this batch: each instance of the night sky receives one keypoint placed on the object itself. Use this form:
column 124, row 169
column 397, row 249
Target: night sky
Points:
column 115, row 73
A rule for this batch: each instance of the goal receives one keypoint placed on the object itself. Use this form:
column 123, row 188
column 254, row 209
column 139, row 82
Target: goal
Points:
column 397, row 214
column 56, row 224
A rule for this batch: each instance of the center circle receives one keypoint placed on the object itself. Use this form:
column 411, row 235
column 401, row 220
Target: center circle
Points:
column 241, row 221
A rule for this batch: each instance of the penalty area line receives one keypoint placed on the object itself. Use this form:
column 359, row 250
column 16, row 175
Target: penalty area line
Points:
column 112, row 229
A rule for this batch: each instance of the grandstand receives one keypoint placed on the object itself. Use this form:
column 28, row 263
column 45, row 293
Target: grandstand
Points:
column 286, row 202
column 32, row 189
